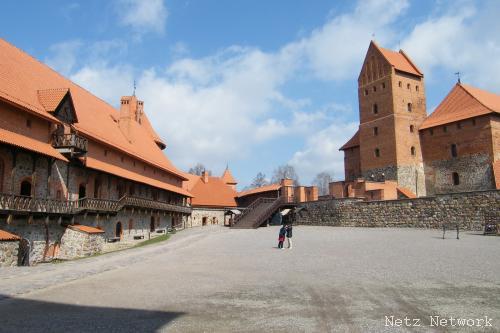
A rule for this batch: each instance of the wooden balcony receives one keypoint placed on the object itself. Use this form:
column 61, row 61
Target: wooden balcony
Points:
column 70, row 144
column 19, row 204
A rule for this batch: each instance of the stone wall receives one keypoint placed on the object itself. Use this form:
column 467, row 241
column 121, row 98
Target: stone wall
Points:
column 9, row 253
column 212, row 216
column 77, row 244
column 470, row 209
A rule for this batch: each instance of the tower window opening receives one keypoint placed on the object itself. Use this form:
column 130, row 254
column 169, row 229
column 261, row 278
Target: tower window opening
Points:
column 377, row 152
column 409, row 107
column 412, row 151
column 456, row 179
column 375, row 108
column 453, row 150
column 375, row 131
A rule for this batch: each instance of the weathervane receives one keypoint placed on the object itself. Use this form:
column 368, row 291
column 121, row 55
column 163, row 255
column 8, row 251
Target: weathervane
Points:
column 458, row 76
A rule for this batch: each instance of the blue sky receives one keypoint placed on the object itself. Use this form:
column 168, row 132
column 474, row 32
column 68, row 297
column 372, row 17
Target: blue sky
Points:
column 255, row 84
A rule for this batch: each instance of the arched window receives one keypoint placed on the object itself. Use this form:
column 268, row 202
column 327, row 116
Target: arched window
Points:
column 412, row 151
column 374, row 88
column 408, row 86
column 1, row 175
column 82, row 191
column 375, row 108
column 383, row 85
column 377, row 152
column 25, row 188
column 375, row 131
column 416, row 88
column 400, row 84
column 411, row 128
column 456, row 178
column 453, row 150
column 409, row 107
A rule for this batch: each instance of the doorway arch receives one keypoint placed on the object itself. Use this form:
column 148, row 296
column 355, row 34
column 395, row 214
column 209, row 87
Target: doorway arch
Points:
column 25, row 188
column 118, row 230
column 152, row 226
column 82, row 191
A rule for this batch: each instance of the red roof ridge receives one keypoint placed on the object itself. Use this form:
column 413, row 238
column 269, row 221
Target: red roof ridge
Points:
column 352, row 142
column 265, row 188
column 386, row 52
column 85, row 228
column 473, row 92
column 411, row 62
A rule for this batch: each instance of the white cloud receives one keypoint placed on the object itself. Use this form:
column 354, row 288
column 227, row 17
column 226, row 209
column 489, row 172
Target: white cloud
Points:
column 464, row 38
column 64, row 56
column 321, row 152
column 143, row 15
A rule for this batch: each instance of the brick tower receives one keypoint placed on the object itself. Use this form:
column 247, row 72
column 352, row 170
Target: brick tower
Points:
column 391, row 109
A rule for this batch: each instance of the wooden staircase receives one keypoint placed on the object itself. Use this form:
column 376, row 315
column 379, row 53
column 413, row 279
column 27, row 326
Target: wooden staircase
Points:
column 257, row 213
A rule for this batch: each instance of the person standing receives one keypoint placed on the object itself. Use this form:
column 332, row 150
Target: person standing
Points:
column 281, row 237
column 289, row 236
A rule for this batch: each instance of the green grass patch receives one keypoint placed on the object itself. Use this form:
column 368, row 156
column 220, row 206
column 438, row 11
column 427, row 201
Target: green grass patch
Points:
column 155, row 240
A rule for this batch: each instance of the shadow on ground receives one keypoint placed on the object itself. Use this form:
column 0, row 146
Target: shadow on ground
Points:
column 24, row 315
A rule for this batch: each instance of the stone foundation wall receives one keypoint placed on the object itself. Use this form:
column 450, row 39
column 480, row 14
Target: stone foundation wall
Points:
column 475, row 172
column 471, row 210
column 9, row 251
column 213, row 216
column 77, row 244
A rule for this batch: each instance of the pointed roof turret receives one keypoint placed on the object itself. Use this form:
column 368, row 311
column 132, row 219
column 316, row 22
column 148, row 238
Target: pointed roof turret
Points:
column 228, row 178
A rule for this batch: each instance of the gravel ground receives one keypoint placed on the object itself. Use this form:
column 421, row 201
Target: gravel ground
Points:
column 218, row 280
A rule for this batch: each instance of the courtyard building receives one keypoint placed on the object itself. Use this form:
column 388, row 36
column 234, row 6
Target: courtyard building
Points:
column 76, row 172
column 400, row 152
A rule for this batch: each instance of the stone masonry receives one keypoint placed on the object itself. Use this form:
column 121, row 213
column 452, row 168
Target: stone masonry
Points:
column 471, row 210
column 77, row 244
column 9, row 253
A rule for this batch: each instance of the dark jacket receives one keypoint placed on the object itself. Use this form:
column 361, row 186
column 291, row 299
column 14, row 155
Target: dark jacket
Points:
column 289, row 231
column 282, row 231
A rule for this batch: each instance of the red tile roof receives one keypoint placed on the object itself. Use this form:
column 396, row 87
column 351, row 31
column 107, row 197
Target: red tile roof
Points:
column 28, row 143
column 496, row 174
column 214, row 193
column 463, row 102
column 121, row 172
column 51, row 98
column 399, row 60
column 228, row 178
column 406, row 192
column 7, row 236
column 265, row 188
column 86, row 229
column 21, row 79
column 353, row 142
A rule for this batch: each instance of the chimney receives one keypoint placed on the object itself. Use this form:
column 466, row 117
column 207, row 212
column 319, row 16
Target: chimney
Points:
column 204, row 176
column 131, row 109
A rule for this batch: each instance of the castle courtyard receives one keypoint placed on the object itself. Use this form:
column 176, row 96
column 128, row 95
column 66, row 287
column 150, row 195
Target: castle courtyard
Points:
column 214, row 279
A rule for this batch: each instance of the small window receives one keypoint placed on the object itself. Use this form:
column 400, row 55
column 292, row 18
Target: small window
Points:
column 383, row 85
column 416, row 88
column 375, row 131
column 28, row 123
column 431, row 131
column 453, row 150
column 374, row 88
column 409, row 107
column 400, row 84
column 408, row 86
column 445, row 129
column 25, row 188
column 375, row 108
column 456, row 178
column 366, row 92
column 473, row 122
column 412, row 151
column 459, row 125
column 411, row 128
column 377, row 152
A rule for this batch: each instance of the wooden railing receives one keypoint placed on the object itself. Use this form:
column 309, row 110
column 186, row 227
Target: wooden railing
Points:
column 17, row 203
column 251, row 207
column 71, row 140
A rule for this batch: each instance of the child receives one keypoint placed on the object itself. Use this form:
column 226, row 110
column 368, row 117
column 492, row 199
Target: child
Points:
column 281, row 237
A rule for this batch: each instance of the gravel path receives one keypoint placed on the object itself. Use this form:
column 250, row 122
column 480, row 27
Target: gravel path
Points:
column 219, row 280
